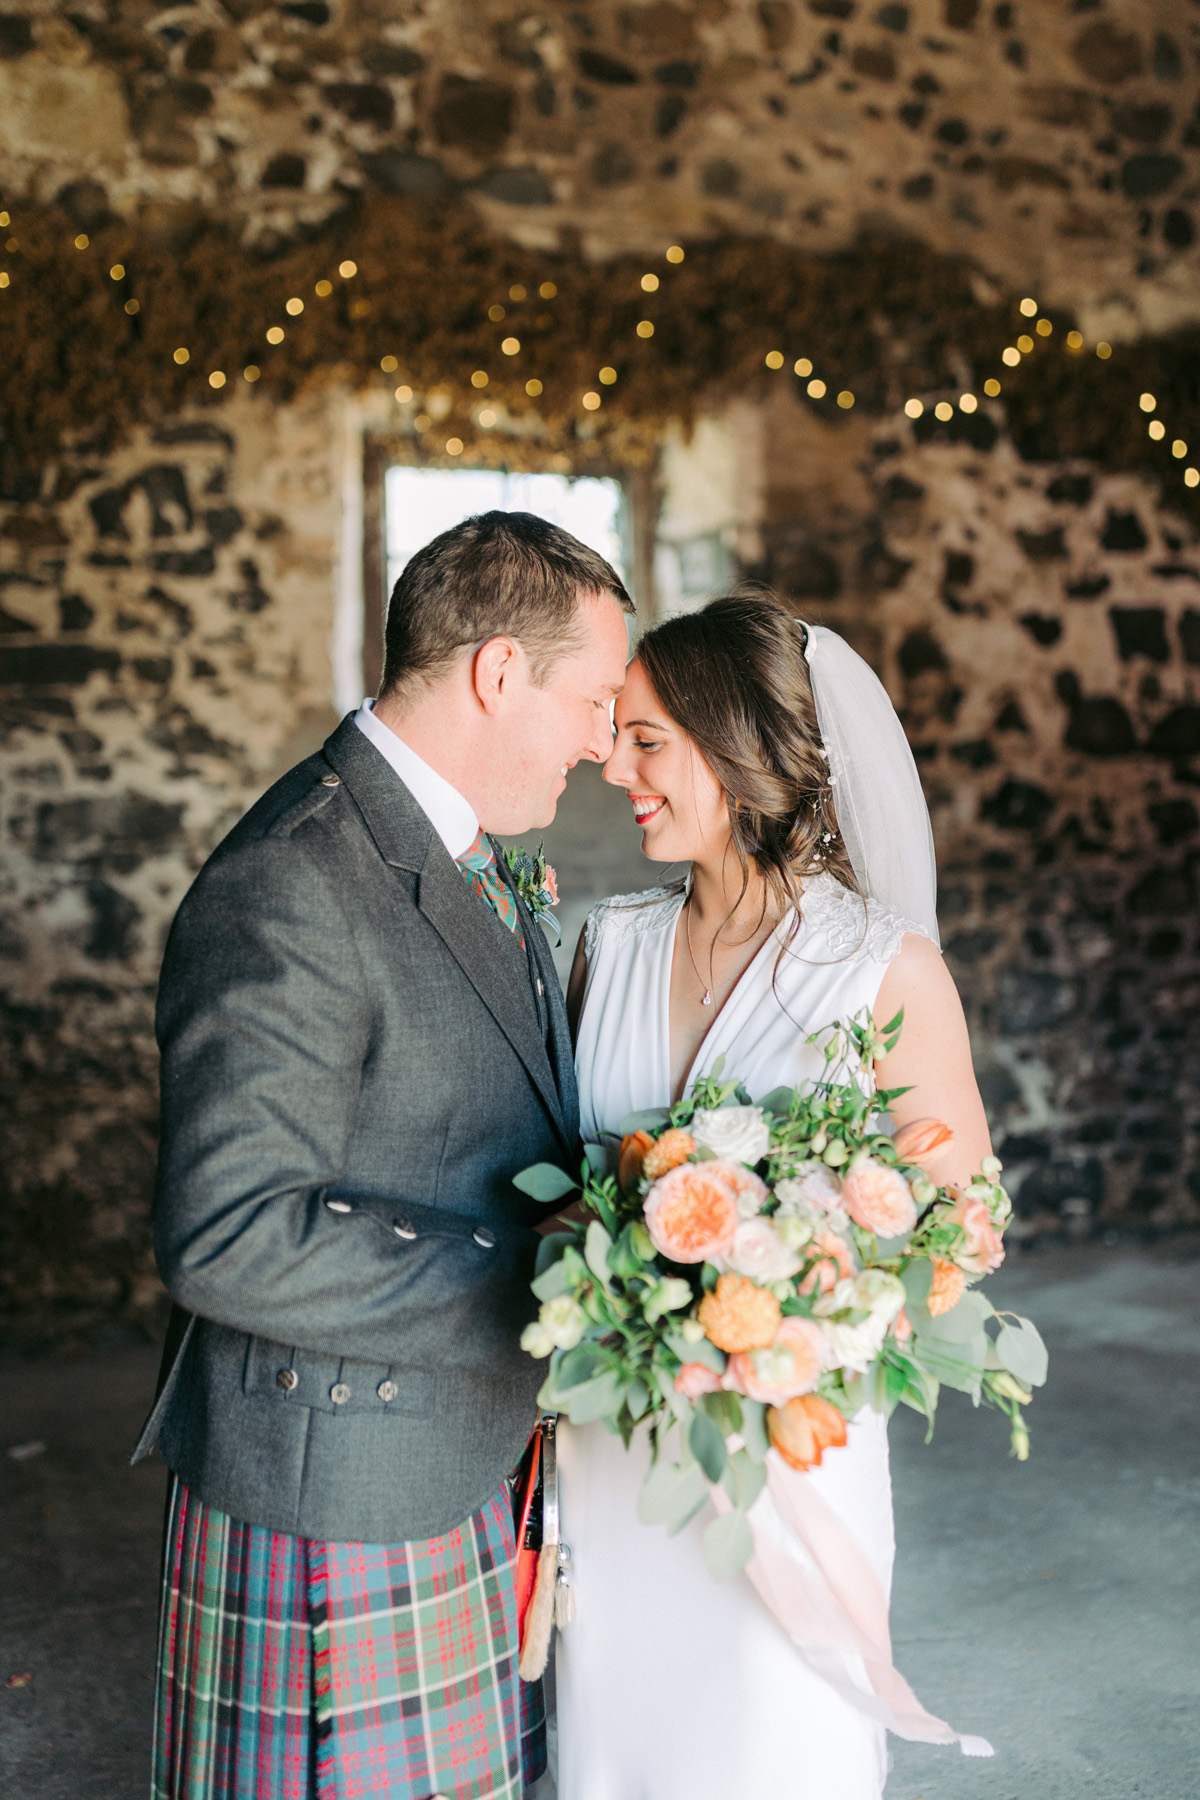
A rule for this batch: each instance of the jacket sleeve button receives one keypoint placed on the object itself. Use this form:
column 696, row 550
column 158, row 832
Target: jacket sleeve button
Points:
column 286, row 1379
column 484, row 1238
column 387, row 1390
column 339, row 1393
column 331, row 780
column 404, row 1228
column 339, row 1206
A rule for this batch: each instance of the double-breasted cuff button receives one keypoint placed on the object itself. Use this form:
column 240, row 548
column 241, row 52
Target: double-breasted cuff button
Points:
column 404, row 1228
column 286, row 1379
column 387, row 1390
column 484, row 1238
column 339, row 1206
column 331, row 780
column 541, row 985
column 339, row 1393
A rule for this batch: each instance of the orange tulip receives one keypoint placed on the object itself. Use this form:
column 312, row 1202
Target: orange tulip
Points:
column 633, row 1154
column 920, row 1138
column 804, row 1429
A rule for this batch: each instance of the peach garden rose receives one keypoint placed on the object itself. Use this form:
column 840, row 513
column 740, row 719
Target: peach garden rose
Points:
column 691, row 1213
column 787, row 1367
column 879, row 1199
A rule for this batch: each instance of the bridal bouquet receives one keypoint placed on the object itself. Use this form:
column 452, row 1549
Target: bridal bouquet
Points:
column 755, row 1273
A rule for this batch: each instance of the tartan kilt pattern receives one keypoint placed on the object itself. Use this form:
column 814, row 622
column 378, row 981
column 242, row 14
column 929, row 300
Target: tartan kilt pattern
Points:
column 290, row 1669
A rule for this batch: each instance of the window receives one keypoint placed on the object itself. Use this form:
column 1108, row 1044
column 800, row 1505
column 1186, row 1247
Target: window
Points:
column 420, row 503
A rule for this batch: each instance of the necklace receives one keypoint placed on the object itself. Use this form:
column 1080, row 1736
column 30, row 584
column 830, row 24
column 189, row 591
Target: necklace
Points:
column 706, row 996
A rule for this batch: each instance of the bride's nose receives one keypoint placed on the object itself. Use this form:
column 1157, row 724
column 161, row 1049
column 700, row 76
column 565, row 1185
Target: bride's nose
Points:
column 616, row 770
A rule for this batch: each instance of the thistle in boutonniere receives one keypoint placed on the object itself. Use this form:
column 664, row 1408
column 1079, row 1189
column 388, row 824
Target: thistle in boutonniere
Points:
column 537, row 884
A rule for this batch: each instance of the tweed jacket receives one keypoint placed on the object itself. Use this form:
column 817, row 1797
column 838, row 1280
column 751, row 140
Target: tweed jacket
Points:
column 357, row 1057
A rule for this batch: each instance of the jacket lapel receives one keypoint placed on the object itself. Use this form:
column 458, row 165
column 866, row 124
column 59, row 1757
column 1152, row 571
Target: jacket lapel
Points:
column 562, row 1055
column 406, row 839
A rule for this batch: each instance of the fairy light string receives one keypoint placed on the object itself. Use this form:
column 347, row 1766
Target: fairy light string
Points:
column 518, row 370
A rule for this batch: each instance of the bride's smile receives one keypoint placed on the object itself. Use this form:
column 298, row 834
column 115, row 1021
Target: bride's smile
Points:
column 676, row 799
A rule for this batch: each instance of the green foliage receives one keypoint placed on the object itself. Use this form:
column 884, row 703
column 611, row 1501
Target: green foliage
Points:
column 626, row 1321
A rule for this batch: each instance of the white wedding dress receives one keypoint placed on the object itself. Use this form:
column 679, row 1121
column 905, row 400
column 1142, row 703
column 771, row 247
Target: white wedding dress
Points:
column 670, row 1685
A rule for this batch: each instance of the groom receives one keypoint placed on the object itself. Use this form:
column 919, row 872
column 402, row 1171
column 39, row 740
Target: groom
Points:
column 363, row 1040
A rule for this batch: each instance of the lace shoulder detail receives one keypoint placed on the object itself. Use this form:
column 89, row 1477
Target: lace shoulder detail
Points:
column 621, row 916
column 852, row 926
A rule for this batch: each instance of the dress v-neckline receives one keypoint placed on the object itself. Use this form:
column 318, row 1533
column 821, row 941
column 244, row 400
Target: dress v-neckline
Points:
column 722, row 1011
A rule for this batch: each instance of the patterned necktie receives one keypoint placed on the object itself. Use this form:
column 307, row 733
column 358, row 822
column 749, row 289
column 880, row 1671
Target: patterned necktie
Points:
column 478, row 865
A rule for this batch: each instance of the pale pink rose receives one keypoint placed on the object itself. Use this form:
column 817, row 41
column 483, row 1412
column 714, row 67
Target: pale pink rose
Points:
column 879, row 1199
column 836, row 1262
column 551, row 887
column 902, row 1327
column 752, row 1193
column 695, row 1379
column 691, row 1213
column 982, row 1249
column 758, row 1250
column 788, row 1367
column 814, row 1187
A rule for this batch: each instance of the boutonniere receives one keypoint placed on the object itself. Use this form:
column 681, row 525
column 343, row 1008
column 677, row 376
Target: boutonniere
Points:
column 537, row 884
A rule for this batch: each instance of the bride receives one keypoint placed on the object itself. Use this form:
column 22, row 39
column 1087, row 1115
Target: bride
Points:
column 766, row 756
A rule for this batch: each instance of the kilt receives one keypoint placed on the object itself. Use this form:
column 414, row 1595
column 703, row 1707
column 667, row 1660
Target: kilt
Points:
column 290, row 1669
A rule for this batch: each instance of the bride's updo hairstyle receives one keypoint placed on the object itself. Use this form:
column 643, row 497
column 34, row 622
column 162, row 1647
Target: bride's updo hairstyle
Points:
column 734, row 677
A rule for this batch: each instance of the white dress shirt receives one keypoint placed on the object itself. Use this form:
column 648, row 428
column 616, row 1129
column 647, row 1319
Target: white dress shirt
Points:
column 452, row 817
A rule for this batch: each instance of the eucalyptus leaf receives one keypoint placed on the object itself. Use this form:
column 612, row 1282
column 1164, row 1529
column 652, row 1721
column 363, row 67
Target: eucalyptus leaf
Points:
column 593, row 1399
column 701, row 1352
column 553, row 1281
column 671, row 1494
column 917, row 1278
column 963, row 1322
column 778, row 1101
column 744, row 1479
column 728, row 1545
column 596, row 1247
column 707, row 1445
column 890, row 1247
column 545, row 1182
column 550, row 1249
column 754, row 1430
column 1021, row 1350
column 956, row 1365
column 651, row 1118
column 579, row 1365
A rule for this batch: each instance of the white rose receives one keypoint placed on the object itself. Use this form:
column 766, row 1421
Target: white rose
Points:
column 759, row 1252
column 814, row 1187
column 855, row 1346
column 736, row 1133
column 563, row 1319
column 794, row 1231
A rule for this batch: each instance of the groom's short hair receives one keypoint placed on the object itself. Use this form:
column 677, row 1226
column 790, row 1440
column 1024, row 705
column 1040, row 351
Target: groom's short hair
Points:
column 499, row 574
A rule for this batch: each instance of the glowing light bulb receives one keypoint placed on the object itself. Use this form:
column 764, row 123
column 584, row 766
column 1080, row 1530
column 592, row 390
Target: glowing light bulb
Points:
column 217, row 379
column 645, row 328
column 650, row 284
column 774, row 359
column 914, row 408
column 181, row 355
column 479, row 378
column 675, row 253
column 845, row 399
column 591, row 401
column 510, row 346
column 347, row 270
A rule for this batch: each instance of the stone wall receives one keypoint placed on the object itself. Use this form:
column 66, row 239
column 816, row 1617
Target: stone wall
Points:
column 165, row 651
column 1039, row 628
column 177, row 618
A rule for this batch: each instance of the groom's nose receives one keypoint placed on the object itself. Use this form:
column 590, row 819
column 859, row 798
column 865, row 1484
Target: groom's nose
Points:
column 600, row 744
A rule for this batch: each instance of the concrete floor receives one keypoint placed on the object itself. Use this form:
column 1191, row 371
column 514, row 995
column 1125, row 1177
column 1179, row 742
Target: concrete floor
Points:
column 1049, row 1606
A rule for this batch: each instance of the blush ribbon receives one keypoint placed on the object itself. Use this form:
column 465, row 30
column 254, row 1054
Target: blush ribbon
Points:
column 817, row 1582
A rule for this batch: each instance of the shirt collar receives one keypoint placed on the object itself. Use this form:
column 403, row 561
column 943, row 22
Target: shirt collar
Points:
column 452, row 816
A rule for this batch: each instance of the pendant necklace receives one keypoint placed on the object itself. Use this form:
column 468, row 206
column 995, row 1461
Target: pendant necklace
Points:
column 706, row 997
